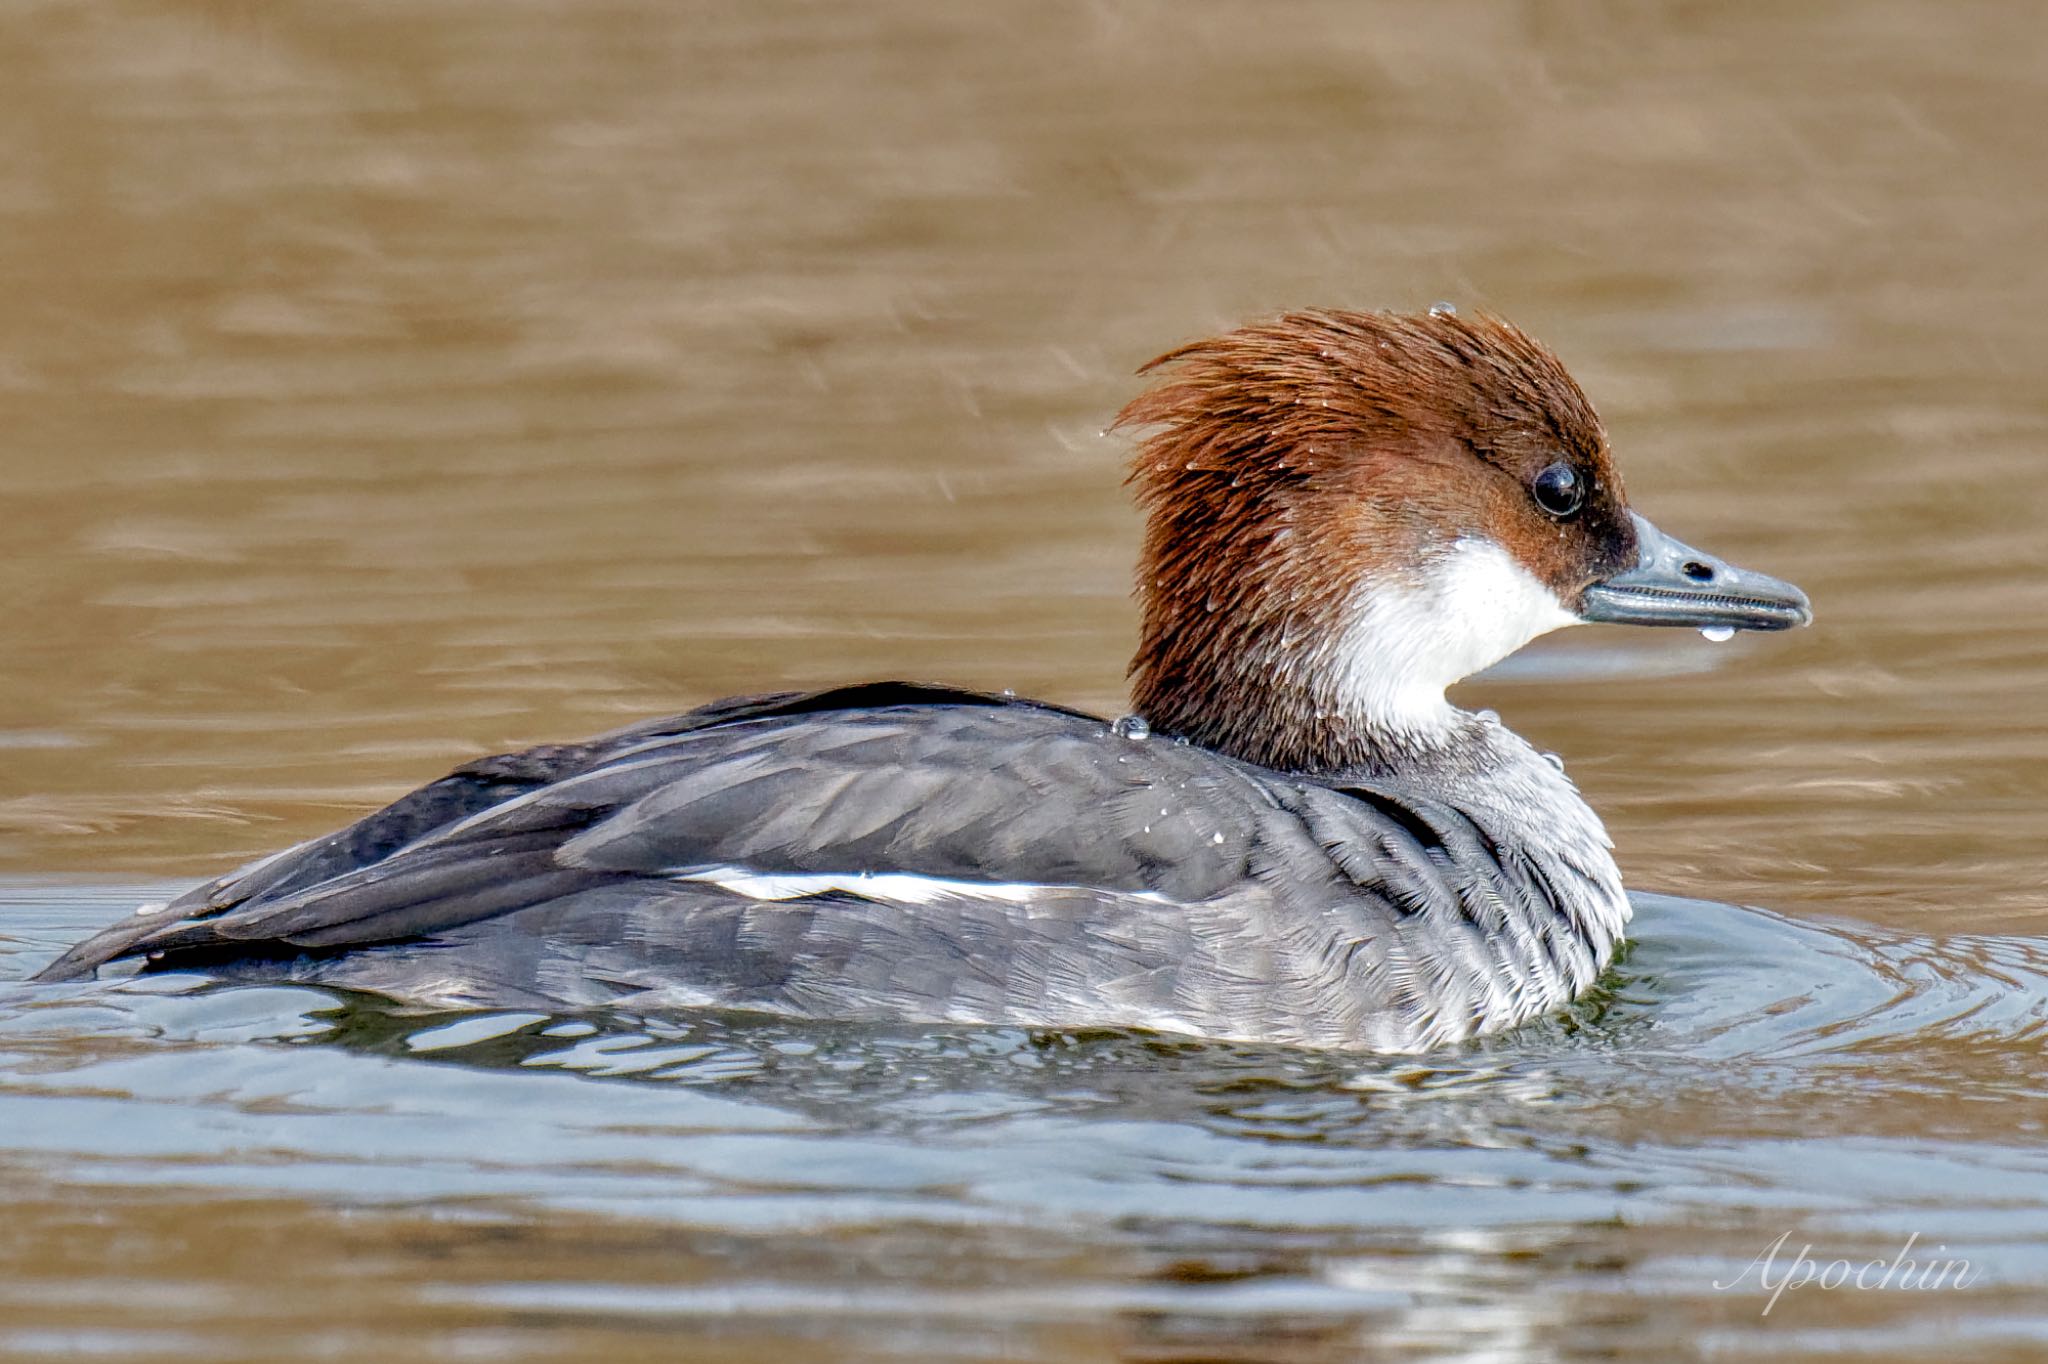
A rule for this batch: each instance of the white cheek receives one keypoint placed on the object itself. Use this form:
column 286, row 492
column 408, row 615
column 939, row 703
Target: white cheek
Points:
column 1469, row 607
column 1501, row 604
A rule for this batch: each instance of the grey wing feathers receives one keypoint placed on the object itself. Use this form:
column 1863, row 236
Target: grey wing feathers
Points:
column 478, row 786
column 791, row 781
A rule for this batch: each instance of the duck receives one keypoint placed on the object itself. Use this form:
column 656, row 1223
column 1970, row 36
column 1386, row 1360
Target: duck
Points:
column 1293, row 837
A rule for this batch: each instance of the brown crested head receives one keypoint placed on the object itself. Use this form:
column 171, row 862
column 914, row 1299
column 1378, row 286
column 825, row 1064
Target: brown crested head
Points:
column 1346, row 512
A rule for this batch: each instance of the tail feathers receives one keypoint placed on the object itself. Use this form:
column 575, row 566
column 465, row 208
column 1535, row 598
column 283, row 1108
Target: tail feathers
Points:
column 441, row 889
column 109, row 944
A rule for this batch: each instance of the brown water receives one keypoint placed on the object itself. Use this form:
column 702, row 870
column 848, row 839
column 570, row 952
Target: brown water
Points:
column 383, row 383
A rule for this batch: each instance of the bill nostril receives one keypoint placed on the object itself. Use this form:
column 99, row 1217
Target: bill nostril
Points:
column 1699, row 572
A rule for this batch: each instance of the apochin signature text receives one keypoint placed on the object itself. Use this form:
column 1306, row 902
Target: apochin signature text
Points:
column 1871, row 1275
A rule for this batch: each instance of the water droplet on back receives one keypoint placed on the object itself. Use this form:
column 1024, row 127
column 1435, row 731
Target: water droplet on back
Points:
column 1132, row 727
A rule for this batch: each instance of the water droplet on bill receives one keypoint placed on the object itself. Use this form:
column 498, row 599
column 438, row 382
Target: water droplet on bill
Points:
column 1719, row 634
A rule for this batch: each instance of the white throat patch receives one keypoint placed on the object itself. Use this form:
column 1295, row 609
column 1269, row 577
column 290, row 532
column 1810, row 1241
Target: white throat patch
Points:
column 1469, row 607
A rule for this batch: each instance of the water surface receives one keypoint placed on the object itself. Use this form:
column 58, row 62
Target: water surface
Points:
column 561, row 1186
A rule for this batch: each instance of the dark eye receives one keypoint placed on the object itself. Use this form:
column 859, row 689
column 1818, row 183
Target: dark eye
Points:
column 1558, row 490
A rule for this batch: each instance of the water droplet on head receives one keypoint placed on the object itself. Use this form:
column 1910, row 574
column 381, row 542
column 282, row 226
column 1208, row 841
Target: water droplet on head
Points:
column 1554, row 760
column 1443, row 309
column 1719, row 634
column 1132, row 727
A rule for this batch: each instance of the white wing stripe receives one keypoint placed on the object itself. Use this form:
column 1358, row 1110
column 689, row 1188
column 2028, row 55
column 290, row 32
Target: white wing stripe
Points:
column 900, row 887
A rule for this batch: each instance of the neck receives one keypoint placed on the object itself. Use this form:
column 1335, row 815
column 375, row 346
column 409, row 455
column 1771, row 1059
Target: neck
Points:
column 1274, row 721
column 1352, row 681
column 1320, row 709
